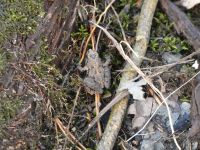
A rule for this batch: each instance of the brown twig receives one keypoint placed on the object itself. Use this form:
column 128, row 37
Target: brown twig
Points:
column 97, row 102
column 75, row 103
column 97, row 95
column 100, row 17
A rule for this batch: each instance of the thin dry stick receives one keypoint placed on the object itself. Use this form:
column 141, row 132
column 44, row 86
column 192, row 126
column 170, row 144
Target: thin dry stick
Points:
column 119, row 22
column 97, row 95
column 180, row 61
column 121, row 51
column 128, row 45
column 160, row 106
column 56, row 130
column 68, row 134
column 100, row 17
column 92, row 34
column 99, row 34
column 75, row 103
column 97, row 102
column 168, row 65
column 159, row 67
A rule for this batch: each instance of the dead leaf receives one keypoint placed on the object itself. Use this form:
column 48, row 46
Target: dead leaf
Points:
column 138, row 122
column 135, row 89
column 142, row 110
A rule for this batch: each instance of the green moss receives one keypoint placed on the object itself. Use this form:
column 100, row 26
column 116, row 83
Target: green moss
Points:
column 49, row 75
column 8, row 109
column 17, row 17
column 164, row 37
column 123, row 3
column 187, row 70
column 44, row 68
column 173, row 44
column 81, row 33
column 21, row 16
column 126, row 20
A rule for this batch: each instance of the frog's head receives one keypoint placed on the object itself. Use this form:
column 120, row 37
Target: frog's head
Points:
column 91, row 54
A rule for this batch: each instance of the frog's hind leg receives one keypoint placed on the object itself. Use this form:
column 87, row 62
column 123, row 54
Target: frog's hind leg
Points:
column 93, row 85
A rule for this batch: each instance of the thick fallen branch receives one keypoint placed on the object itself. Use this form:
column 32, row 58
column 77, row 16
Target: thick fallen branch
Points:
column 194, row 132
column 181, row 23
column 142, row 38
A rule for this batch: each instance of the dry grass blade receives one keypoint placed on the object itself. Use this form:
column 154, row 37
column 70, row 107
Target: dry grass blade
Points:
column 97, row 104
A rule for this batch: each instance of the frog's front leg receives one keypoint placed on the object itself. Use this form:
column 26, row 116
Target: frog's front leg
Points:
column 107, row 78
column 107, row 74
column 85, row 68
